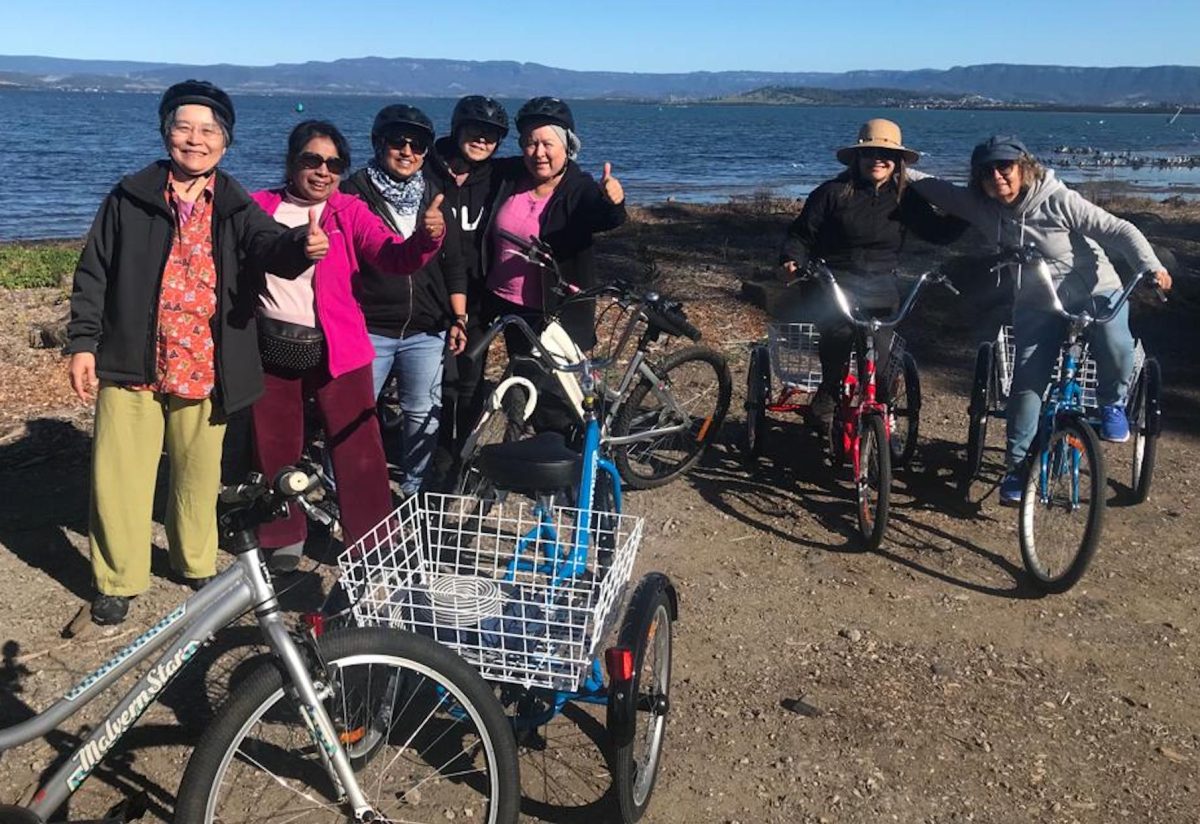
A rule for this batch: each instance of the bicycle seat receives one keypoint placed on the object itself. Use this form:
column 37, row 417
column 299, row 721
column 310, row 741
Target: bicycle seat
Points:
column 543, row 463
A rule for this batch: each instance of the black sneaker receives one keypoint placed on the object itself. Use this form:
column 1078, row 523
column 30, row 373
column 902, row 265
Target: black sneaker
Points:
column 109, row 610
column 198, row 584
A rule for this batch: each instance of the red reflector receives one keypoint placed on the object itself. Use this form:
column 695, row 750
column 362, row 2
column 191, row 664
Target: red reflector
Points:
column 315, row 622
column 619, row 663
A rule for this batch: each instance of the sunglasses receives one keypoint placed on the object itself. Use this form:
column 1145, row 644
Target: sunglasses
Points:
column 419, row 145
column 312, row 160
column 878, row 154
column 1004, row 167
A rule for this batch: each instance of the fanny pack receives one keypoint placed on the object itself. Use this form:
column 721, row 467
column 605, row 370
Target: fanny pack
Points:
column 291, row 346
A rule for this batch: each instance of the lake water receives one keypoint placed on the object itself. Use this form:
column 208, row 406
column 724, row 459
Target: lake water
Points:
column 65, row 150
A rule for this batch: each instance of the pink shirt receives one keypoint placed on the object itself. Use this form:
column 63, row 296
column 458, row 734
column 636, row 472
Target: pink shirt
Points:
column 511, row 276
column 292, row 300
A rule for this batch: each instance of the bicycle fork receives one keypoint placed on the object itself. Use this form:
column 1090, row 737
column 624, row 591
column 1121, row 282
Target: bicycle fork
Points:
column 309, row 697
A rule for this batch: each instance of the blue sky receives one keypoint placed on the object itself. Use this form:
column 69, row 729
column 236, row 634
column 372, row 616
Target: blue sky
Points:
column 618, row 35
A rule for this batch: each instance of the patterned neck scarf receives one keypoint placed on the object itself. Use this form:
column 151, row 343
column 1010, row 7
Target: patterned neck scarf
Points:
column 402, row 195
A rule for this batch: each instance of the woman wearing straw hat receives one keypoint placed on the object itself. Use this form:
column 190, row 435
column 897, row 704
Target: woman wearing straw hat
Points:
column 858, row 223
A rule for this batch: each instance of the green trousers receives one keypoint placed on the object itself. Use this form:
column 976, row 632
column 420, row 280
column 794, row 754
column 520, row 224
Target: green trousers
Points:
column 131, row 428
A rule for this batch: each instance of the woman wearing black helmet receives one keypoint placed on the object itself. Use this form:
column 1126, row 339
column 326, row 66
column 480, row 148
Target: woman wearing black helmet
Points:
column 410, row 320
column 546, row 194
column 463, row 161
column 162, row 335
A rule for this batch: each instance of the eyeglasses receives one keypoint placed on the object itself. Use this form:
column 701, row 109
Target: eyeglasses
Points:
column 419, row 145
column 878, row 154
column 208, row 131
column 473, row 132
column 312, row 160
column 1004, row 167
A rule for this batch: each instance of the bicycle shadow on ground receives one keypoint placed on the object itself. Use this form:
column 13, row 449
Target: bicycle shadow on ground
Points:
column 566, row 771
column 791, row 474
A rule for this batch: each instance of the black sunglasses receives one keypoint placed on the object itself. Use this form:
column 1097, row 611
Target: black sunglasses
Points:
column 1004, row 167
column 878, row 154
column 312, row 160
column 419, row 145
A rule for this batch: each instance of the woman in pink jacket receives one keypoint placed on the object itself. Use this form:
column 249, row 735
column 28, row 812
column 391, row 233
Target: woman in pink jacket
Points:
column 314, row 340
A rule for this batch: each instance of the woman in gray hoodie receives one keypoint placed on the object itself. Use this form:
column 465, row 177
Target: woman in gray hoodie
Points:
column 1014, row 201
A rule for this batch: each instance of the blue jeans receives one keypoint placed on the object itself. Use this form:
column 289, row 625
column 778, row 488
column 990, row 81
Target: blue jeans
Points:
column 417, row 362
column 1038, row 334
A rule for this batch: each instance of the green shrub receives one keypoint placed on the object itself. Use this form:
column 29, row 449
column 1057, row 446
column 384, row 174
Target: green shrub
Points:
column 28, row 265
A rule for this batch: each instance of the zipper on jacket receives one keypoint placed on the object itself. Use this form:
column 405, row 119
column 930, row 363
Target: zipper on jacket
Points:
column 152, row 338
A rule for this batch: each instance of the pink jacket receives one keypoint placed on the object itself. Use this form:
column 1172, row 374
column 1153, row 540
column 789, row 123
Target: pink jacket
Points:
column 354, row 232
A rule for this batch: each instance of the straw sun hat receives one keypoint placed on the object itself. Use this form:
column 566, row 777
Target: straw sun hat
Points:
column 877, row 134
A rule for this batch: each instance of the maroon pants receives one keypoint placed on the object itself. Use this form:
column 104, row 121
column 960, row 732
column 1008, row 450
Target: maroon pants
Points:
column 346, row 405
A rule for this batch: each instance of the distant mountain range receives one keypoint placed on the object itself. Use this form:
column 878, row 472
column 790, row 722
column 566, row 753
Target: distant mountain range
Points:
column 410, row 77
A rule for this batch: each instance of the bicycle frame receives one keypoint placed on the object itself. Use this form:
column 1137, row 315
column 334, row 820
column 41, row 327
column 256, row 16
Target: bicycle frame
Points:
column 239, row 588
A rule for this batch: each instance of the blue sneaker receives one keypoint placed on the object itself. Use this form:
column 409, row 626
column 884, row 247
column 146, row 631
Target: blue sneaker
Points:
column 1011, row 488
column 1114, row 426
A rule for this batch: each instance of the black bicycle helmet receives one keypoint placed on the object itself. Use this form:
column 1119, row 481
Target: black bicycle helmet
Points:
column 541, row 111
column 475, row 108
column 400, row 116
column 201, row 92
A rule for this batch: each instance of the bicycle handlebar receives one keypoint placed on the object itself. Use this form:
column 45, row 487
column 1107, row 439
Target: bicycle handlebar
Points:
column 1029, row 254
column 819, row 270
column 289, row 482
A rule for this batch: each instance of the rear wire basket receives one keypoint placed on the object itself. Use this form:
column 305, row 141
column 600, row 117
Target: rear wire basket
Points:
column 1086, row 373
column 492, row 581
column 796, row 361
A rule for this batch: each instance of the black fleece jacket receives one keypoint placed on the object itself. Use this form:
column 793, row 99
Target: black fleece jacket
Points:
column 860, row 233
column 114, row 298
column 574, row 213
column 467, row 208
column 420, row 304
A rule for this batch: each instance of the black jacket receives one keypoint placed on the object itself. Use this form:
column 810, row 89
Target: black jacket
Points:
column 401, row 306
column 114, row 299
column 467, row 207
column 574, row 213
column 861, row 232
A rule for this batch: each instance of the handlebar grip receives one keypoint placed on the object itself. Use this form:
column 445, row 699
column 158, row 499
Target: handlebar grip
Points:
column 952, row 288
column 480, row 346
column 1162, row 296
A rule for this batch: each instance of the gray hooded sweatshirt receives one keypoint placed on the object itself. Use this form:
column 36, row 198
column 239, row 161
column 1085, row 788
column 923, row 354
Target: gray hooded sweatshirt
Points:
column 1065, row 227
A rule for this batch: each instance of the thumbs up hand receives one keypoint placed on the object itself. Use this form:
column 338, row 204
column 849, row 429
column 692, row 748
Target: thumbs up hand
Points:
column 611, row 186
column 316, row 242
column 432, row 220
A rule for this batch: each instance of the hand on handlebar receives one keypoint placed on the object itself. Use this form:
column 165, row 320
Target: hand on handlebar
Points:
column 788, row 271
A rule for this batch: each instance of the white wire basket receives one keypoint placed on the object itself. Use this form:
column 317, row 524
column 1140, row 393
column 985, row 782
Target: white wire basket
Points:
column 495, row 584
column 1086, row 374
column 795, row 359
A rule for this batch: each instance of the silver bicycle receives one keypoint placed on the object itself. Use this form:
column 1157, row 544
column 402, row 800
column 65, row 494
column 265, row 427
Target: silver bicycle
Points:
column 351, row 725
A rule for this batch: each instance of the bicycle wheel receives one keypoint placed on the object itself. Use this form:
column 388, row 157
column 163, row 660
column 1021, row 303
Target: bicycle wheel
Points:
column 493, row 426
column 437, row 748
column 1062, row 505
column 983, row 397
column 758, row 394
column 638, row 735
column 387, row 405
column 698, row 380
column 1145, row 417
column 904, row 406
column 873, row 480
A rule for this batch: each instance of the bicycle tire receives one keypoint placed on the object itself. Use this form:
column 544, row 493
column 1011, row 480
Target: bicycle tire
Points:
column 758, row 394
column 1054, row 570
column 387, row 405
column 464, row 714
column 648, row 464
column 979, row 409
column 494, row 426
column 638, row 742
column 1146, row 420
column 873, row 481
column 904, row 407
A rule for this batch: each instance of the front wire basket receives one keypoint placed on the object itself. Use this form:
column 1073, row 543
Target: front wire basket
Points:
column 496, row 583
column 796, row 361
column 1086, row 375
